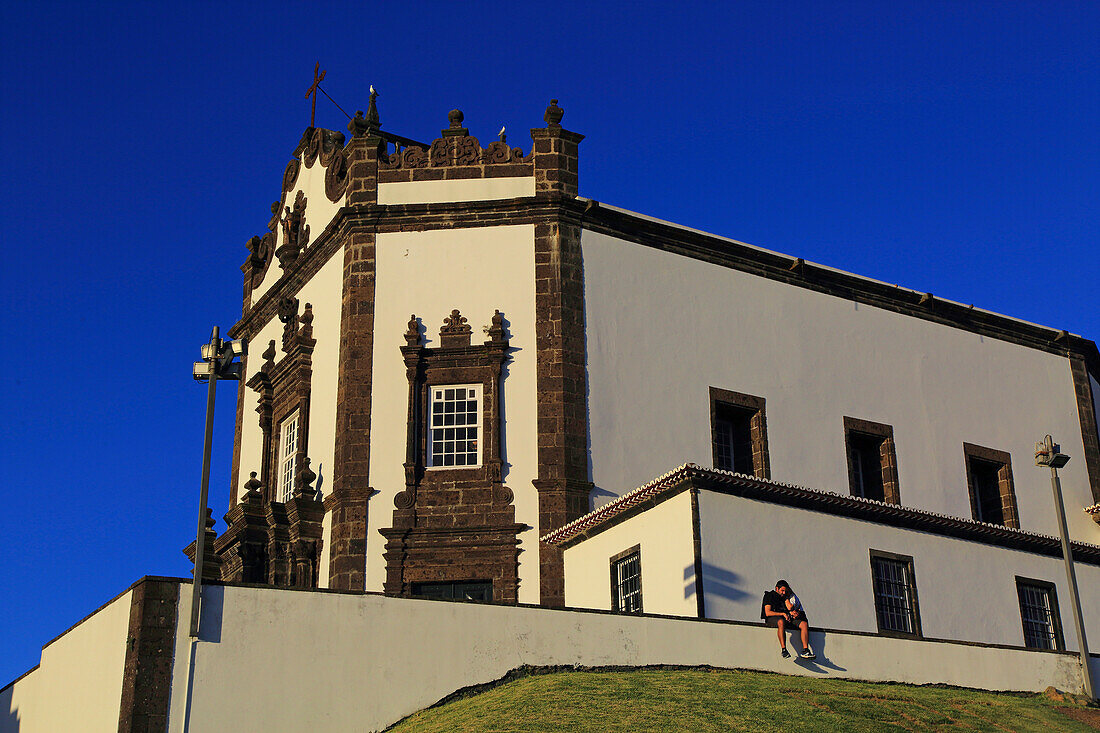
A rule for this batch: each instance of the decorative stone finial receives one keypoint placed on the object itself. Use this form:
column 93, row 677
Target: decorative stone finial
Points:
column 412, row 336
column 455, row 118
column 252, row 489
column 496, row 331
column 358, row 126
column 553, row 114
column 372, row 110
column 269, row 357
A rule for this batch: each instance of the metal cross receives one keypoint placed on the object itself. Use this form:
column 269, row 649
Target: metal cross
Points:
column 313, row 90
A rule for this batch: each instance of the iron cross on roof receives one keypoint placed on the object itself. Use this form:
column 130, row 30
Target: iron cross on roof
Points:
column 313, row 91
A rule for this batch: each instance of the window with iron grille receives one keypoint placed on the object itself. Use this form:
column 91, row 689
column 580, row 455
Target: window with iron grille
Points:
column 626, row 581
column 288, row 456
column 1039, row 613
column 895, row 594
column 454, row 426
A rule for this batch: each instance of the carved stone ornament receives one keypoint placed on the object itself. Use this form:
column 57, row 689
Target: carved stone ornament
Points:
column 455, row 331
column 261, row 250
column 322, row 144
column 336, row 177
column 295, row 232
column 454, row 147
column 290, row 175
column 287, row 309
column 553, row 114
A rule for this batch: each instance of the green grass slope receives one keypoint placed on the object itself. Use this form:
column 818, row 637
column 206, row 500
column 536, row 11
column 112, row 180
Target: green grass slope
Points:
column 720, row 700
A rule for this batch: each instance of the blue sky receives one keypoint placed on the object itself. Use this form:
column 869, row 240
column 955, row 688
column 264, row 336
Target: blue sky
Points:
column 950, row 147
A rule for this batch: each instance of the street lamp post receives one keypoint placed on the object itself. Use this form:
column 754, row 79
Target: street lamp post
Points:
column 218, row 362
column 1047, row 453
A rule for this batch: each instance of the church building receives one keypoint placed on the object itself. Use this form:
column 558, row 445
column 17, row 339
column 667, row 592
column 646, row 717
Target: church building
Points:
column 461, row 371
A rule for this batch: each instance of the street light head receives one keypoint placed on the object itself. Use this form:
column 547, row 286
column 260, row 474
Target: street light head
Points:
column 1047, row 454
column 201, row 370
column 208, row 352
column 238, row 347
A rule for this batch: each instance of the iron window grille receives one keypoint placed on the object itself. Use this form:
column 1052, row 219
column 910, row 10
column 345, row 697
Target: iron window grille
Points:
column 455, row 426
column 626, row 581
column 1039, row 614
column 895, row 594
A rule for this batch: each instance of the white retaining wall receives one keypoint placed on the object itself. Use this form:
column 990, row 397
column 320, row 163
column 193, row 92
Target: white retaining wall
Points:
column 282, row 660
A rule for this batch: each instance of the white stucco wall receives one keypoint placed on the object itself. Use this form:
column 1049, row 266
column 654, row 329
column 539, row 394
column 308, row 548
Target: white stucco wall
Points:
column 324, row 293
column 283, row 660
column 966, row 590
column 665, row 536
column 661, row 329
column 319, row 213
column 78, row 683
column 479, row 189
column 430, row 274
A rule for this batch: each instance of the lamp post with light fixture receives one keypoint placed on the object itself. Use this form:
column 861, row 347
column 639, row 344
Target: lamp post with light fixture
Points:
column 219, row 361
column 1047, row 453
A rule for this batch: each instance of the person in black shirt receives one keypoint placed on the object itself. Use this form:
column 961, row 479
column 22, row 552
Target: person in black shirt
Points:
column 778, row 613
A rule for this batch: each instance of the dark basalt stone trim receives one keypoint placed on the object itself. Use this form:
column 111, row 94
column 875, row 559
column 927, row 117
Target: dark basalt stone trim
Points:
column 150, row 650
column 697, row 550
column 1086, row 413
column 843, row 506
column 528, row 210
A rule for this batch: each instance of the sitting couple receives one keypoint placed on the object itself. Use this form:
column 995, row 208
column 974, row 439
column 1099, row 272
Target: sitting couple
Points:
column 782, row 610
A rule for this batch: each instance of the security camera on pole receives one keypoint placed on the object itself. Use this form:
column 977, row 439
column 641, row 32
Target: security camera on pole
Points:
column 1047, row 454
column 219, row 361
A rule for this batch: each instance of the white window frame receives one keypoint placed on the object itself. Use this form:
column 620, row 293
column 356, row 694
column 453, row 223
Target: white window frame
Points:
column 289, row 436
column 437, row 394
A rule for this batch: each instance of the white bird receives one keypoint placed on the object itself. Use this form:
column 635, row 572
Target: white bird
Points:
column 501, row 130
column 372, row 89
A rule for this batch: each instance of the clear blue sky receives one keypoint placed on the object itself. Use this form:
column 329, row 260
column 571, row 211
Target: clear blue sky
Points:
column 950, row 147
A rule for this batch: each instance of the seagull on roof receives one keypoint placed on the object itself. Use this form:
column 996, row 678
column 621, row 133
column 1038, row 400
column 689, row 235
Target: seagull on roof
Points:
column 501, row 133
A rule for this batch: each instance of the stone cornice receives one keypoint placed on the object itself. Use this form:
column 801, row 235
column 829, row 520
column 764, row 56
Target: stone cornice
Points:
column 697, row 245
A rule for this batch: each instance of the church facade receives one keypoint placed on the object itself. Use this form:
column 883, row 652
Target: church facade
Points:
column 455, row 359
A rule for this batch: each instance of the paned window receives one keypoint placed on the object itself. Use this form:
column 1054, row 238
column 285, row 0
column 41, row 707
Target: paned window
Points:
column 895, row 594
column 1039, row 613
column 626, row 581
column 455, row 426
column 288, row 456
column 992, row 496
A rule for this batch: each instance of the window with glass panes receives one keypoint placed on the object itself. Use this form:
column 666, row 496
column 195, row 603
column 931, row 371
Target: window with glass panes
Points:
column 288, row 453
column 626, row 575
column 454, row 426
column 1039, row 612
column 895, row 594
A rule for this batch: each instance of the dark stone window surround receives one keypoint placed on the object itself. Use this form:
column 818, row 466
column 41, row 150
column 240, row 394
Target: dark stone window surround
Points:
column 1055, row 612
column 293, row 528
column 1004, row 481
column 908, row 560
column 758, row 427
column 887, row 455
column 635, row 550
column 454, row 524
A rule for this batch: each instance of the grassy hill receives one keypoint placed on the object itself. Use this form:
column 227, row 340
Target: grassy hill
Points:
column 727, row 700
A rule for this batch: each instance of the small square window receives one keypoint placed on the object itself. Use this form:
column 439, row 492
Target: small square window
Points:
column 989, row 478
column 1039, row 614
column 895, row 591
column 626, row 581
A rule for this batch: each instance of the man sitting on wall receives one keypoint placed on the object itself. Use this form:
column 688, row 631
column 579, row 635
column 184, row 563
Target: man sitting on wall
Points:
column 781, row 609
